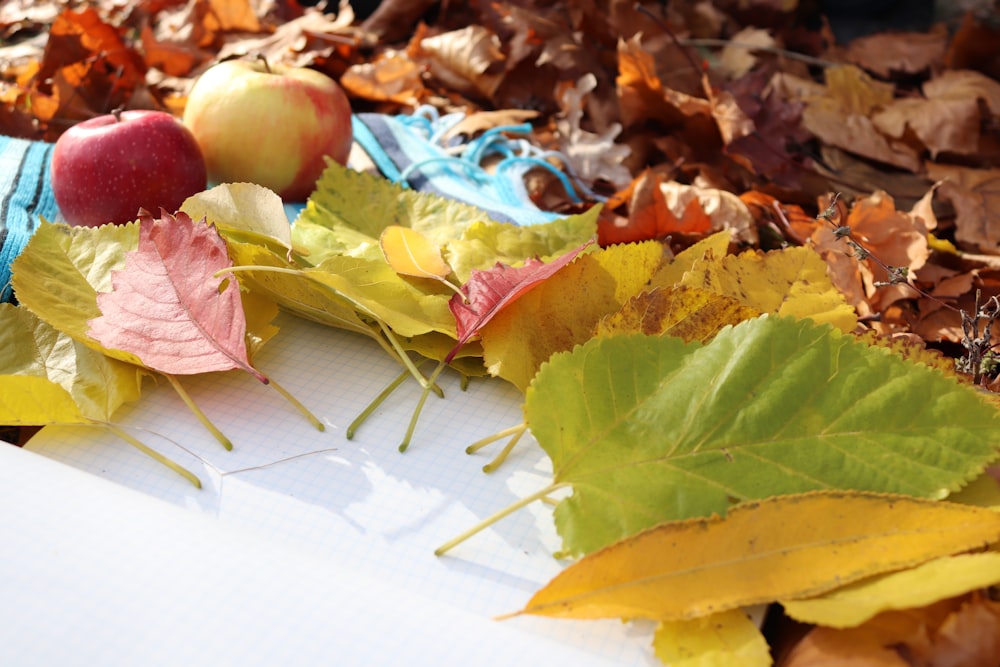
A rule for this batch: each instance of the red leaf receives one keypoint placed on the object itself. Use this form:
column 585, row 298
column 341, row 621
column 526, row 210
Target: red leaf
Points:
column 167, row 307
column 488, row 292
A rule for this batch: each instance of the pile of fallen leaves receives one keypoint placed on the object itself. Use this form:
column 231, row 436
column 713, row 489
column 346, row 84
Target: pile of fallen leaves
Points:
column 691, row 118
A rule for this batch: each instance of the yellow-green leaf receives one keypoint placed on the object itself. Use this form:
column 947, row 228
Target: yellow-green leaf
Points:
column 46, row 377
column 685, row 312
column 295, row 291
column 243, row 211
column 791, row 281
column 61, row 269
column 780, row 548
column 410, row 253
column 919, row 586
column 726, row 639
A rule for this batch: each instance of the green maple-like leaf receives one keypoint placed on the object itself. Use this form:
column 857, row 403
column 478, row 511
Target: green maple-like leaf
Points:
column 649, row 429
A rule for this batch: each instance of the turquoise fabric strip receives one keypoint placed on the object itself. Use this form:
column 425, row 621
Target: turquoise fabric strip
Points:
column 25, row 198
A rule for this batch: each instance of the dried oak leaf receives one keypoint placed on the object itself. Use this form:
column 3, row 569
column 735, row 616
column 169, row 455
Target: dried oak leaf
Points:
column 842, row 116
column 390, row 77
column 975, row 194
column 963, row 631
column 948, row 119
column 468, row 61
column 885, row 54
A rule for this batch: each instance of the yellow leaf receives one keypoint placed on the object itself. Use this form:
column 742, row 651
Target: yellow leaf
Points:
column 792, row 282
column 920, row 586
column 410, row 253
column 46, row 377
column 720, row 640
column 715, row 246
column 984, row 491
column 783, row 547
column 562, row 311
column 685, row 312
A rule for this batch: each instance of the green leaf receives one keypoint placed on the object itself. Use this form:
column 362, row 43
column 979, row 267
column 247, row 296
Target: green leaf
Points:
column 650, row 429
column 349, row 210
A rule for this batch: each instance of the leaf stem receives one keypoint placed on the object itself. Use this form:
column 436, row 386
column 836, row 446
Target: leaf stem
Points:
column 188, row 401
column 384, row 394
column 493, row 518
column 431, row 382
column 407, row 362
column 499, row 435
column 505, row 452
column 155, row 455
column 298, row 405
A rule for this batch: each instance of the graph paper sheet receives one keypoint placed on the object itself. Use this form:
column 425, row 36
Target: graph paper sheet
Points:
column 353, row 523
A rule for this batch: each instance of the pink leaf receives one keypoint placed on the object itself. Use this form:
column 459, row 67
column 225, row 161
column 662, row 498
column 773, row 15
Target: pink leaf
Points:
column 167, row 307
column 488, row 292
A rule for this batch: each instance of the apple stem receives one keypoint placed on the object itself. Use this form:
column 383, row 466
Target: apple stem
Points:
column 262, row 58
column 493, row 518
column 188, row 401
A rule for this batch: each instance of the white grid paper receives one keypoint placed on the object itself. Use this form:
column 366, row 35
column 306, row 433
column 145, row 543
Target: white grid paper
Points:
column 359, row 505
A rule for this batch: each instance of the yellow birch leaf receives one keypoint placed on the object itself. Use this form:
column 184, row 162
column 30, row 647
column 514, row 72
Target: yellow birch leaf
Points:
column 715, row 247
column 779, row 548
column 410, row 253
column 925, row 584
column 685, row 312
column 562, row 311
column 791, row 281
column 720, row 640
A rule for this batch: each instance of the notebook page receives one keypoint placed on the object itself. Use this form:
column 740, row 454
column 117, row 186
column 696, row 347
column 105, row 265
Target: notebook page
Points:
column 358, row 505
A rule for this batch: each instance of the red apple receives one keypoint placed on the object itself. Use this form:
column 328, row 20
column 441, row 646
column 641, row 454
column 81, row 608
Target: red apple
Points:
column 105, row 169
column 269, row 125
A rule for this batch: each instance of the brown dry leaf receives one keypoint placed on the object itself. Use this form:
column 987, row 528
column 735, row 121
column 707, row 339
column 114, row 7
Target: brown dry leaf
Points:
column 842, row 116
column 469, row 60
column 960, row 632
column 642, row 94
column 480, row 121
column 723, row 210
column 975, row 194
column 901, row 53
column 897, row 238
column 949, row 119
column 389, row 78
column 737, row 57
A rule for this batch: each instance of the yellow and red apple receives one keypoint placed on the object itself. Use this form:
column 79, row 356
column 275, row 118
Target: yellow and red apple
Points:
column 272, row 125
column 106, row 168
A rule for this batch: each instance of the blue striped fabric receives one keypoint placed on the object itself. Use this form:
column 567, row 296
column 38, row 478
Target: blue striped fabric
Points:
column 25, row 197
column 410, row 150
